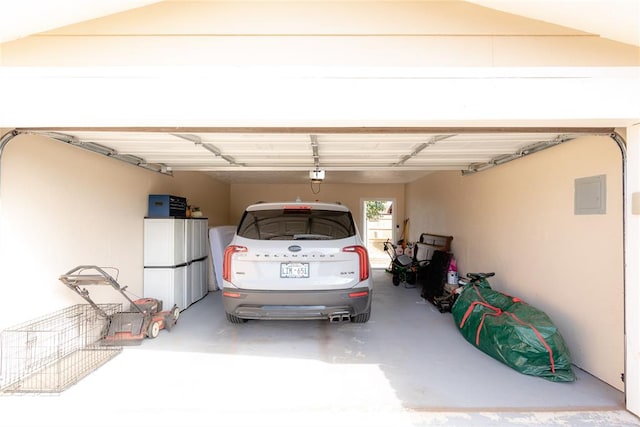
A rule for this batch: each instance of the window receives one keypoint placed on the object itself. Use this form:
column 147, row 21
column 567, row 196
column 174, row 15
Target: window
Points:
column 296, row 224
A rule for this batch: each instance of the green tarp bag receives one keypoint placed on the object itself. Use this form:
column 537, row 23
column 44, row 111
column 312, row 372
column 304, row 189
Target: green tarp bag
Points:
column 512, row 331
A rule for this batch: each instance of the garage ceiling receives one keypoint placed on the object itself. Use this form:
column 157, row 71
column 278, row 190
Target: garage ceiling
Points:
column 288, row 155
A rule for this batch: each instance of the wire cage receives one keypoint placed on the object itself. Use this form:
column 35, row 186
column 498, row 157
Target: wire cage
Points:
column 53, row 352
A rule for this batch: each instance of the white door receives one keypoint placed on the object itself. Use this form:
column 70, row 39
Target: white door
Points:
column 378, row 220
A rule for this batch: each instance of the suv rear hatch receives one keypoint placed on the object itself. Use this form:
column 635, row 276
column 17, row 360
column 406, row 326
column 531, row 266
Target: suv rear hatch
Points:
column 296, row 247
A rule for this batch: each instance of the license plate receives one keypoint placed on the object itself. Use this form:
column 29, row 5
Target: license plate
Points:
column 294, row 270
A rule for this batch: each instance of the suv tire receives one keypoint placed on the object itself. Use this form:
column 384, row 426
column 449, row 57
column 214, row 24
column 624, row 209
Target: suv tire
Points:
column 235, row 319
column 362, row 317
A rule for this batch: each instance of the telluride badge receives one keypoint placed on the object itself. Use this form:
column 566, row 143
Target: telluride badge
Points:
column 295, row 248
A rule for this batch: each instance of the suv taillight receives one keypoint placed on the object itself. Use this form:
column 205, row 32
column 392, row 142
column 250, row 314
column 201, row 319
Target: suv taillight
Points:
column 226, row 264
column 363, row 257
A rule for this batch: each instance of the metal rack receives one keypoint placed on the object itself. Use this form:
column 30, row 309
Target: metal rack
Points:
column 53, row 352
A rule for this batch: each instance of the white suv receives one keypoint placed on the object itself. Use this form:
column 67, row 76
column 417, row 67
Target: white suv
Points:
column 297, row 261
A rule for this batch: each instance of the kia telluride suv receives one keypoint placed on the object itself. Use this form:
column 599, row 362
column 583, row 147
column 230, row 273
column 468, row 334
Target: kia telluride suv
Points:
column 297, row 261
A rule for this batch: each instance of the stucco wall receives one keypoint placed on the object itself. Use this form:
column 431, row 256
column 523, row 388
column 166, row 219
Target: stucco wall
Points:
column 62, row 207
column 518, row 220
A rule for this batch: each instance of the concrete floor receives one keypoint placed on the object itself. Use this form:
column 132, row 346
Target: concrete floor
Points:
column 408, row 366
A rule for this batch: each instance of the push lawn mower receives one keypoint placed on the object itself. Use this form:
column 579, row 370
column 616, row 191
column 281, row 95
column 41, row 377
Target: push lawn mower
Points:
column 145, row 317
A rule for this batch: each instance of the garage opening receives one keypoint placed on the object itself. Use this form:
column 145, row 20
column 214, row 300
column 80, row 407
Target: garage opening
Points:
column 475, row 228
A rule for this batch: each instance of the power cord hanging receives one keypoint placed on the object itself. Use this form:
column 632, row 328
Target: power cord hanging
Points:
column 313, row 190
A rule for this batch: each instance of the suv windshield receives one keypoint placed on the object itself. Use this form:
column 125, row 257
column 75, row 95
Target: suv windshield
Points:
column 296, row 224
